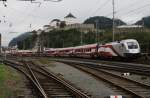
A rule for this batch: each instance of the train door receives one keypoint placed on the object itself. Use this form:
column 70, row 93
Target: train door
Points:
column 121, row 49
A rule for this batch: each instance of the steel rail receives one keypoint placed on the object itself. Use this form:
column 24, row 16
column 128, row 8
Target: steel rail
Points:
column 36, row 80
column 112, row 62
column 28, row 76
column 63, row 82
column 110, row 67
column 88, row 70
column 45, row 72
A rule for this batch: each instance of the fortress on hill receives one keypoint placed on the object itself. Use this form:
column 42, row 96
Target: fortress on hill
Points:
column 69, row 22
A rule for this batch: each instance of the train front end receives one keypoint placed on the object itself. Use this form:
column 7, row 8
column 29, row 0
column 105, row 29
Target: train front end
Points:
column 132, row 48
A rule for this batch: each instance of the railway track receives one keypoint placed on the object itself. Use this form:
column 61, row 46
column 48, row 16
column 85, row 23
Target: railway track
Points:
column 45, row 83
column 122, row 67
column 133, row 88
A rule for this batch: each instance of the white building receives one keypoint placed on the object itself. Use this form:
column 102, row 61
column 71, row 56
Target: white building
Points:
column 70, row 22
column 47, row 28
column 55, row 23
column 124, row 29
column 70, row 19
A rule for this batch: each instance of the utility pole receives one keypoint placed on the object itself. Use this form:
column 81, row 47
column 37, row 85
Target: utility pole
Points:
column 0, row 43
column 113, row 3
column 63, row 43
column 143, row 24
column 96, row 21
column 24, row 45
column 81, row 41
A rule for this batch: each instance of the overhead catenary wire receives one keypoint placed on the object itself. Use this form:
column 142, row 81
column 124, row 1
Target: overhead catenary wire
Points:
column 134, row 13
column 129, row 18
column 26, row 16
column 130, row 11
column 116, row 12
column 130, row 5
column 91, row 8
column 101, row 7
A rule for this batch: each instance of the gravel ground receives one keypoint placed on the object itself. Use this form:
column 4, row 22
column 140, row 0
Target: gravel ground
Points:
column 82, row 80
column 140, row 78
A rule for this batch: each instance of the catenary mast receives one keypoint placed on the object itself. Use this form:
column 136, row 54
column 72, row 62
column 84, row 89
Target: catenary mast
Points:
column 113, row 3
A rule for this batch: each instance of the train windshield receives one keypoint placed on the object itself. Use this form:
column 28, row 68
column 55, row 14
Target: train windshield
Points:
column 132, row 45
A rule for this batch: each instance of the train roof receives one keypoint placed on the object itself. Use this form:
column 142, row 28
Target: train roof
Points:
column 86, row 46
column 25, row 51
column 90, row 45
column 122, row 41
column 129, row 40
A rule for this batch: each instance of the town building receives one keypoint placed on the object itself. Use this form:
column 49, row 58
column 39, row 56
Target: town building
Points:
column 69, row 22
column 81, row 27
column 48, row 28
column 124, row 29
column 70, row 19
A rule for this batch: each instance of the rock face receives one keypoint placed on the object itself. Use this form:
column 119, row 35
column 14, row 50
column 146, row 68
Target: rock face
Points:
column 21, row 37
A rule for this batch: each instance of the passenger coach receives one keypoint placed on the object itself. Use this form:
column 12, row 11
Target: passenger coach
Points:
column 128, row 48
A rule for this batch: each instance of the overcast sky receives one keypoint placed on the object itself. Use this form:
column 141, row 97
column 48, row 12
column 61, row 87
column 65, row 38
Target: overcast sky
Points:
column 18, row 15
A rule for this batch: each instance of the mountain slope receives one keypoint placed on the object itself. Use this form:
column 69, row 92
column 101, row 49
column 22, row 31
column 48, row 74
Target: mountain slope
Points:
column 103, row 22
column 144, row 21
column 19, row 38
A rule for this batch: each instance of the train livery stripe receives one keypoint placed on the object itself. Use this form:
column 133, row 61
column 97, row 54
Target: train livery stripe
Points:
column 115, row 51
column 108, row 49
column 117, row 96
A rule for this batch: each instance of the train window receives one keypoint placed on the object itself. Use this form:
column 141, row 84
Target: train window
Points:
column 132, row 45
column 90, row 50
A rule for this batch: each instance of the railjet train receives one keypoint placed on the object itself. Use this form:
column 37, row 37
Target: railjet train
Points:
column 128, row 48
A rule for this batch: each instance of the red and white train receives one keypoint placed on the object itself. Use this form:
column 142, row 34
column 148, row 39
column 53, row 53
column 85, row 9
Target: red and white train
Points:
column 128, row 48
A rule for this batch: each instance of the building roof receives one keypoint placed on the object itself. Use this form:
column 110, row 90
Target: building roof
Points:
column 46, row 26
column 70, row 16
column 55, row 20
column 130, row 26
